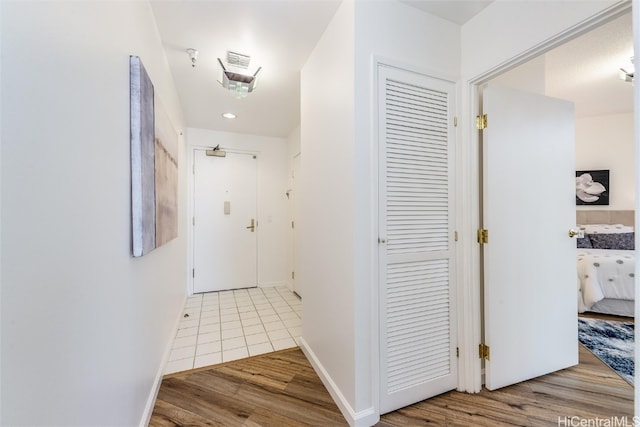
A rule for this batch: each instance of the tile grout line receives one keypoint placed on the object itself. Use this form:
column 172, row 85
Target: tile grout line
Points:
column 198, row 338
column 264, row 324
column 274, row 310
column 261, row 322
column 195, row 350
column 260, row 318
column 244, row 337
column 220, row 325
column 281, row 320
column 222, row 339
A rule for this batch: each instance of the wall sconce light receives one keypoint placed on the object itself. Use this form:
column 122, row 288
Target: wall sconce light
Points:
column 239, row 84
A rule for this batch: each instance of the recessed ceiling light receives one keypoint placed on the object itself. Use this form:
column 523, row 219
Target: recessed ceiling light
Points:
column 229, row 115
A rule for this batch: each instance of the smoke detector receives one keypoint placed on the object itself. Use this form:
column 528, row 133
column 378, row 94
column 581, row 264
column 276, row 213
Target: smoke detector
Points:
column 193, row 55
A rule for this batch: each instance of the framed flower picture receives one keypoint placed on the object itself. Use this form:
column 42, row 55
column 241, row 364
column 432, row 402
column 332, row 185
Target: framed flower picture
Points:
column 592, row 187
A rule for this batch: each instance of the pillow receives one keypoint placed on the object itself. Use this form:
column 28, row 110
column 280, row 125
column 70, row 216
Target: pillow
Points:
column 605, row 228
column 612, row 241
column 583, row 242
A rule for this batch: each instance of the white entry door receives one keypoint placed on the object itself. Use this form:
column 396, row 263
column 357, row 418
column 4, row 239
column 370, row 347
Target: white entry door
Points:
column 416, row 245
column 530, row 309
column 225, row 222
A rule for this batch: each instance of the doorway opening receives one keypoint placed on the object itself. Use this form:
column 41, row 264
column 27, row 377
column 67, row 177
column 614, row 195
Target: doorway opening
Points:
column 537, row 75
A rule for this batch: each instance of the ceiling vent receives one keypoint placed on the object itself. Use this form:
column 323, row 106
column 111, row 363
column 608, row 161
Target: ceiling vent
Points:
column 238, row 60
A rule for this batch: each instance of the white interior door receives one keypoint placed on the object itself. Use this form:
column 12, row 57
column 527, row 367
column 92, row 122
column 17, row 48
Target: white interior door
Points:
column 530, row 309
column 294, row 231
column 225, row 244
column 416, row 250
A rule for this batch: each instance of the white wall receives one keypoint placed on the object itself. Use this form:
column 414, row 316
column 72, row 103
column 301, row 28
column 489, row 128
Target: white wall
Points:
column 84, row 324
column 607, row 142
column 327, row 206
column 339, row 178
column 273, row 209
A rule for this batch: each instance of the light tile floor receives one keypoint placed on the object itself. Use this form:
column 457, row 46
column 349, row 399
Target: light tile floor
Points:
column 222, row 326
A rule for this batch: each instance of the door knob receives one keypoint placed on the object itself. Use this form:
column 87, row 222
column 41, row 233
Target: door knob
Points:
column 572, row 233
column 253, row 225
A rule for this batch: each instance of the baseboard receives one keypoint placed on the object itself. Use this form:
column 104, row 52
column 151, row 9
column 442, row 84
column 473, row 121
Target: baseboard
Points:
column 155, row 388
column 272, row 284
column 365, row 418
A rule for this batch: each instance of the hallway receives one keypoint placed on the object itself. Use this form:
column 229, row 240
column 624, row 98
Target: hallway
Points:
column 228, row 325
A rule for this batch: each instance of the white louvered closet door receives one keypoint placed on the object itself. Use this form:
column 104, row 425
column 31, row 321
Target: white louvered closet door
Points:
column 417, row 322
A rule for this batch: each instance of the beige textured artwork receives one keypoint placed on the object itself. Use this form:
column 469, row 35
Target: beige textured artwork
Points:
column 166, row 171
column 143, row 188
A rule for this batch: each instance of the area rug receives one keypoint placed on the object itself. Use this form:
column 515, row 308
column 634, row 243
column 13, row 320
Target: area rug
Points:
column 611, row 342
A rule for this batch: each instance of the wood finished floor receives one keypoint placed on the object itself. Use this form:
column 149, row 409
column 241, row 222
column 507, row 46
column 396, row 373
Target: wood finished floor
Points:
column 281, row 389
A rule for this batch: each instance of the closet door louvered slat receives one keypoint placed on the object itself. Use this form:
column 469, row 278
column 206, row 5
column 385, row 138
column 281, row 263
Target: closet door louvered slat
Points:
column 417, row 354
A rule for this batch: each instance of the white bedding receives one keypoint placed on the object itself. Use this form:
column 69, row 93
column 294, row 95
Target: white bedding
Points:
column 604, row 273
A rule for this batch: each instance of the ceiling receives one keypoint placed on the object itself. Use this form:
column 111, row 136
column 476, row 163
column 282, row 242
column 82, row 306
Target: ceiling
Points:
column 585, row 70
column 457, row 11
column 279, row 35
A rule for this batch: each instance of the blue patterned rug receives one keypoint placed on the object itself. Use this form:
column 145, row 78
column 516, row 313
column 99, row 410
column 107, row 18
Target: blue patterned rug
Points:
column 611, row 342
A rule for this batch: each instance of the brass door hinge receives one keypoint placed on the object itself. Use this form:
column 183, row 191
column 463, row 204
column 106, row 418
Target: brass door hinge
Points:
column 293, row 275
column 455, row 121
column 483, row 351
column 457, row 351
column 481, row 122
column 483, row 236
column 455, row 236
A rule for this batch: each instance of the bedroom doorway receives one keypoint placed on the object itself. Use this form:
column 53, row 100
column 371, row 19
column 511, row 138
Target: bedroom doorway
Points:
column 534, row 76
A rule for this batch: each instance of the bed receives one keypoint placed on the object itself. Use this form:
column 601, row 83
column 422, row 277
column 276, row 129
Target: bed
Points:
column 606, row 262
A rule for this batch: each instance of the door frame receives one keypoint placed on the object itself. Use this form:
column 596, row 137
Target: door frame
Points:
column 470, row 299
column 295, row 235
column 191, row 148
